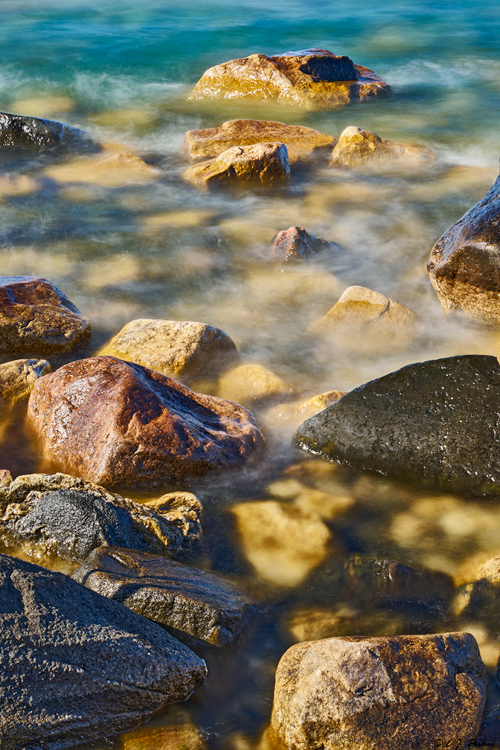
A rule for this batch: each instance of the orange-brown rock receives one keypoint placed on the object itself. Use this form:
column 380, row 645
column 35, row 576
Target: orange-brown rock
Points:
column 300, row 141
column 36, row 318
column 295, row 244
column 310, row 79
column 360, row 149
column 119, row 424
column 259, row 164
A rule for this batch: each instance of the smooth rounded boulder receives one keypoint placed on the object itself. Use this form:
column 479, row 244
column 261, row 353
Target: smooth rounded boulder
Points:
column 122, row 425
column 359, row 149
column 18, row 131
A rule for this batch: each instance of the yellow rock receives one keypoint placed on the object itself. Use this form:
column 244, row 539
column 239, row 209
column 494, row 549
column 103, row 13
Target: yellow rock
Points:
column 17, row 185
column 312, row 623
column 119, row 269
column 327, row 505
column 357, row 148
column 180, row 219
column 5, row 478
column 126, row 118
column 17, row 379
column 115, row 170
column 42, row 106
column 251, row 385
column 287, row 417
column 178, row 735
column 258, row 164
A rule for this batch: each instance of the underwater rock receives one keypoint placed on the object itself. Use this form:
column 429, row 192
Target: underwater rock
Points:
column 75, row 666
column 262, row 164
column 68, row 517
column 201, row 604
column 111, row 169
column 312, row 623
column 36, row 318
column 295, row 244
column 120, row 424
column 464, row 265
column 357, row 148
column 17, row 131
column 178, row 734
column 348, row 692
column 310, row 79
column 432, row 423
column 17, row 379
column 253, row 385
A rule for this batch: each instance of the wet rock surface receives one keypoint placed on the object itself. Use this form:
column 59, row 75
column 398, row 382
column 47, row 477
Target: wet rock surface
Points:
column 432, row 423
column 76, row 666
column 17, row 379
column 195, row 602
column 36, row 318
column 59, row 515
column 359, row 149
column 120, row 424
column 296, row 244
column 253, row 385
column 261, row 164
column 356, row 692
column 17, row 131
column 464, row 265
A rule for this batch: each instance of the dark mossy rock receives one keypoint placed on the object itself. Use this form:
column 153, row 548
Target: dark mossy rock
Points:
column 295, row 245
column 75, row 666
column 17, row 132
column 184, row 599
column 432, row 423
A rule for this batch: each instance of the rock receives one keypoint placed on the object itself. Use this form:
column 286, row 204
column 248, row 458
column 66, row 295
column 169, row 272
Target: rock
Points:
column 179, row 349
column 36, row 318
column 327, row 505
column 17, row 131
column 282, row 542
column 357, row 148
column 301, row 142
column 188, row 600
column 285, row 418
column 178, row 734
column 432, row 423
column 309, row 79
column 15, row 185
column 62, row 516
column 259, row 164
column 5, row 478
column 106, row 170
column 295, row 244
column 253, row 385
column 120, row 424
column 480, row 599
column 464, row 265
column 309, row 623
column 356, row 692
column 75, row 666
column 17, row 379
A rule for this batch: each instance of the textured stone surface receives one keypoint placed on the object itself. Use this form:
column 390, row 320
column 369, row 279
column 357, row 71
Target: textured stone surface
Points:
column 357, row 148
column 301, row 142
column 433, row 423
column 17, row 379
column 120, row 424
column 309, row 79
column 296, row 244
column 59, row 515
column 36, row 318
column 259, row 164
column 180, row 349
column 17, row 131
column 75, row 666
column 464, row 265
column 253, row 385
column 354, row 692
column 202, row 604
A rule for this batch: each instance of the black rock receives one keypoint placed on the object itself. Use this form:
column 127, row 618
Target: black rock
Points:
column 17, row 131
column 75, row 666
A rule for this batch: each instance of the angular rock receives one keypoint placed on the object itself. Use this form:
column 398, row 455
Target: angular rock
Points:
column 253, row 385
column 357, row 148
column 59, row 515
column 17, row 379
column 433, row 423
column 263, row 164
column 36, row 318
column 464, row 265
column 188, row 600
column 75, row 666
column 120, row 424
column 301, row 142
column 17, row 131
column 310, row 79
column 295, row 244
column 179, row 349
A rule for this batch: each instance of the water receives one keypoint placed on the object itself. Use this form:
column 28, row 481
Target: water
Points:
column 159, row 248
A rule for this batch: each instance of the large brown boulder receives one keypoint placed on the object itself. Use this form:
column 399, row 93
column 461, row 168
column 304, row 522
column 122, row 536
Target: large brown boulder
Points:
column 360, row 149
column 261, row 164
column 36, row 318
column 356, row 692
column 464, row 265
column 119, row 424
column 301, row 142
column 310, row 79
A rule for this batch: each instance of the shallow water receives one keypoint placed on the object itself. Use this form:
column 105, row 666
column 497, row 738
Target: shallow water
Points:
column 156, row 247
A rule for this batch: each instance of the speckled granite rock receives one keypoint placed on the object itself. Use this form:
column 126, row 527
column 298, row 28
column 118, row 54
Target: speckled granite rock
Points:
column 261, row 164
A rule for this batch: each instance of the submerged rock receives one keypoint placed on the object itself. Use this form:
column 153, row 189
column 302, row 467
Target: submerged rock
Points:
column 312, row 623
column 111, row 169
column 357, row 148
column 188, row 600
column 75, row 666
column 342, row 693
column 261, row 164
column 295, row 244
column 17, row 131
column 17, row 379
column 68, row 517
column 253, row 385
column 310, row 79
column 120, row 424
column 178, row 734
column 36, row 318
column 464, row 265
column 432, row 423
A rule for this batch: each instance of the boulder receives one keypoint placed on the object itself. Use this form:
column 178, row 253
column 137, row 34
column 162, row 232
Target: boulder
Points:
column 295, row 245
column 59, row 515
column 301, row 142
column 360, row 149
column 188, row 600
column 75, row 666
column 464, row 265
column 36, row 318
column 119, row 424
column 17, row 379
column 112, row 169
column 312, row 79
column 312, row 623
column 433, row 423
column 253, row 385
column 182, row 350
column 356, row 692
column 17, row 131
column 261, row 164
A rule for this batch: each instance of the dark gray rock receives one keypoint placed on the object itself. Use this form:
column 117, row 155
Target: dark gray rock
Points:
column 75, row 666
column 187, row 599
column 433, row 423
column 68, row 517
column 17, row 131
column 295, row 244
